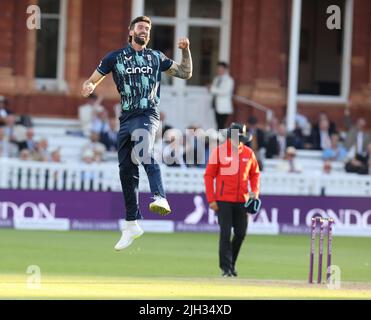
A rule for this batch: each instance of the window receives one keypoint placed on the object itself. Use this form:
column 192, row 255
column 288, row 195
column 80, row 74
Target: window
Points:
column 320, row 50
column 160, row 8
column 324, row 55
column 162, row 38
column 49, row 58
column 206, row 9
column 205, row 53
column 206, row 23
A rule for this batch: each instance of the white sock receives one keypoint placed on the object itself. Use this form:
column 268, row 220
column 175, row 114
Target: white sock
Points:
column 132, row 223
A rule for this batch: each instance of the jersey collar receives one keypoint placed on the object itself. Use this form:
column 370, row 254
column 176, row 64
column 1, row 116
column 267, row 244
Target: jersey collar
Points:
column 132, row 50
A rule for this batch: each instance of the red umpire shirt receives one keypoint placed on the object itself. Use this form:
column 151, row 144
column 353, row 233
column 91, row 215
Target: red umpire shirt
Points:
column 232, row 168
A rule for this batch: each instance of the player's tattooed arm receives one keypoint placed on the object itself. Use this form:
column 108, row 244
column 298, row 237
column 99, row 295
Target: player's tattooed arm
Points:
column 185, row 68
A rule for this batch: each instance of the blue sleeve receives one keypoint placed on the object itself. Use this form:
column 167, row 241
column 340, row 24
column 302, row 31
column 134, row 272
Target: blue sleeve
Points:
column 165, row 62
column 107, row 63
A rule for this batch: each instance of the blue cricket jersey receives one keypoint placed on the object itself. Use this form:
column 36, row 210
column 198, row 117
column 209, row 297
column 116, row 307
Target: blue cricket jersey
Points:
column 137, row 75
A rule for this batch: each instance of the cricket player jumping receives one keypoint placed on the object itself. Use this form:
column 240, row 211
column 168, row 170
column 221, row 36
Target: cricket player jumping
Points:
column 137, row 73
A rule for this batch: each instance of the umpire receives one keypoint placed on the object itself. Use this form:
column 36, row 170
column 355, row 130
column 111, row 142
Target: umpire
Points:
column 232, row 165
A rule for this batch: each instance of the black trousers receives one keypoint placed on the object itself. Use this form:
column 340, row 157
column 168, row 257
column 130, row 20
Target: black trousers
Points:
column 231, row 215
column 135, row 146
column 220, row 120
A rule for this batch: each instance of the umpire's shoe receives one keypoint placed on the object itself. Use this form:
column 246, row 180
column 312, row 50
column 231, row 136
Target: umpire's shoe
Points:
column 234, row 272
column 226, row 274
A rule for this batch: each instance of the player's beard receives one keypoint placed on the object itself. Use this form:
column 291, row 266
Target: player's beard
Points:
column 139, row 40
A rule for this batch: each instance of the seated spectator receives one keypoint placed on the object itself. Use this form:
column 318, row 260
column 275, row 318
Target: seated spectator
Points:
column 25, row 155
column 173, row 152
column 97, row 148
column 357, row 138
column 302, row 124
column 87, row 156
column 87, row 113
column 100, row 123
column 336, row 152
column 272, row 126
column 55, row 156
column 277, row 143
column 289, row 163
column 320, row 137
column 258, row 134
column 258, row 139
column 4, row 111
column 15, row 132
column 361, row 163
column 29, row 143
column 331, row 125
column 41, row 152
column 7, row 150
column 194, row 151
column 109, row 137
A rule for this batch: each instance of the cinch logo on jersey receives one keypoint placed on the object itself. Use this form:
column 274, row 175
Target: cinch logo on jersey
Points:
column 137, row 70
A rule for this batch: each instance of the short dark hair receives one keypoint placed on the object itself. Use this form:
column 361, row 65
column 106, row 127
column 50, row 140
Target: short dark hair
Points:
column 223, row 64
column 136, row 20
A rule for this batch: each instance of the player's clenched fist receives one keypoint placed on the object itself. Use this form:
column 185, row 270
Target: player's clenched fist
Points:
column 87, row 89
column 183, row 43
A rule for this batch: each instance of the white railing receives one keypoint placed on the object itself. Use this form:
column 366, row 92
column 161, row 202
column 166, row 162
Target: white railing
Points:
column 17, row 174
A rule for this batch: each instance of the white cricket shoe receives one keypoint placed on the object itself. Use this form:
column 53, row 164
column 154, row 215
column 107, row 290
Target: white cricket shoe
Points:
column 160, row 205
column 130, row 232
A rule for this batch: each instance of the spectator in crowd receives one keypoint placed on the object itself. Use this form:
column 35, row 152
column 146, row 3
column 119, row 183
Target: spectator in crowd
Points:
column 258, row 139
column 221, row 90
column 289, row 163
column 302, row 132
column 272, row 126
column 29, row 143
column 55, row 156
column 320, row 137
column 336, row 151
column 357, row 138
column 196, row 147
column 41, row 152
column 97, row 148
column 87, row 156
column 331, row 125
column 7, row 150
column 87, row 113
column 173, row 152
column 25, row 155
column 302, row 124
column 277, row 143
column 361, row 163
column 4, row 111
column 109, row 137
column 101, row 122
column 15, row 132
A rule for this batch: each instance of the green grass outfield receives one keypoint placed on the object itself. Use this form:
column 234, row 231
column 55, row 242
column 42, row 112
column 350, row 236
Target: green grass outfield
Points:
column 84, row 265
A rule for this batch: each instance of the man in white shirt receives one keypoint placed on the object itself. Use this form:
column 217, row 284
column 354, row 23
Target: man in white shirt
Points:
column 222, row 91
column 357, row 138
column 88, row 112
